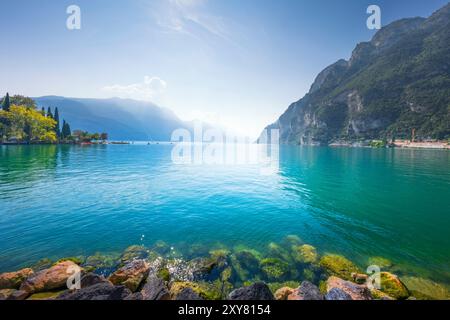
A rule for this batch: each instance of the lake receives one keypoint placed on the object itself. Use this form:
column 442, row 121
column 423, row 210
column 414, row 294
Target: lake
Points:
column 58, row 201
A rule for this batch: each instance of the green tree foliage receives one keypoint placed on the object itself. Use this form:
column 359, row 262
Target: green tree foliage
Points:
column 26, row 124
column 6, row 103
column 57, row 127
column 66, row 133
column 49, row 113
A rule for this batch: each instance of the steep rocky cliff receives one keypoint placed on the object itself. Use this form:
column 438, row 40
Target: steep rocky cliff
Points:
column 394, row 84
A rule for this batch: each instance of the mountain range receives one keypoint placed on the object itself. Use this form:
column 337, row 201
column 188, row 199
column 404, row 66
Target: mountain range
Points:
column 395, row 86
column 122, row 119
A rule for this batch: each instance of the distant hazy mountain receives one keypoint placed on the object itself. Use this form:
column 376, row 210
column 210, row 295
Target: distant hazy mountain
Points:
column 122, row 119
column 397, row 82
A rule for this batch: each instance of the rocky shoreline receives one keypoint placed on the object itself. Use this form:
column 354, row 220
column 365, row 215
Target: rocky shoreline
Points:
column 139, row 273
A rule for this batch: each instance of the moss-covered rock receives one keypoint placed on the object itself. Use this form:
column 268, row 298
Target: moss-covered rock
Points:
column 13, row 280
column 164, row 274
column 339, row 266
column 392, row 286
column 245, row 263
column 425, row 289
column 50, row 295
column 274, row 250
column 161, row 248
column 133, row 253
column 101, row 263
column 42, row 265
column 205, row 290
column 381, row 262
column 79, row 260
column 304, row 254
column 309, row 275
column 292, row 240
column 274, row 269
column 274, row 286
column 380, row 295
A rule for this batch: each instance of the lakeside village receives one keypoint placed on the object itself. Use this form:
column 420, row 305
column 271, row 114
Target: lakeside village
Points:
column 21, row 123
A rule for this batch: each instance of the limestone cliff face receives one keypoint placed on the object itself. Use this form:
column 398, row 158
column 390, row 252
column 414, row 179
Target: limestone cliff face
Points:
column 397, row 82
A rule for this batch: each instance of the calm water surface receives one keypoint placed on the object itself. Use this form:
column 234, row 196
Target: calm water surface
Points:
column 58, row 201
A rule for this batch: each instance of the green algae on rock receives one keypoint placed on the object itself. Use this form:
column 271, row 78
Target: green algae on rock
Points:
column 392, row 286
column 426, row 289
column 381, row 262
column 274, row 269
column 338, row 266
column 304, row 253
column 205, row 290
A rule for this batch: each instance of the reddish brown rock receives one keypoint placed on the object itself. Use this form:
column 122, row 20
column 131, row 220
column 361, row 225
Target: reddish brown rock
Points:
column 131, row 275
column 49, row 279
column 283, row 293
column 355, row 291
column 13, row 280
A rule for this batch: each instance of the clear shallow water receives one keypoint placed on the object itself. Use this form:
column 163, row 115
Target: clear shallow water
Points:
column 58, row 201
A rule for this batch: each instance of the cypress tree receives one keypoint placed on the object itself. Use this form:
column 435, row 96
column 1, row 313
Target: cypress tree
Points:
column 65, row 130
column 43, row 111
column 57, row 127
column 49, row 112
column 6, row 102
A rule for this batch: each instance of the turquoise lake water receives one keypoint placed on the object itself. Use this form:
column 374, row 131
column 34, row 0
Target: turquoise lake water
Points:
column 58, row 201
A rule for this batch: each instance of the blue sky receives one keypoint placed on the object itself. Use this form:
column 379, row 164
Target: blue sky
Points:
column 236, row 62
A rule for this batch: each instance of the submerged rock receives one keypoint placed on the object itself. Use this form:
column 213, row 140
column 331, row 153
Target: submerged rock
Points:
column 426, row 289
column 245, row 263
column 381, row 262
column 274, row 268
column 304, row 253
column 133, row 253
column 155, row 289
column 292, row 240
column 337, row 294
column 392, row 286
column 13, row 280
column 49, row 279
column 338, row 266
column 42, row 265
column 99, row 291
column 276, row 251
column 257, row 291
column 100, row 263
column 356, row 291
column 131, row 275
column 307, row 291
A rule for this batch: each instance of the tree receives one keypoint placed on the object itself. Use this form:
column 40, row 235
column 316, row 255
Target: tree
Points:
column 65, row 133
column 4, row 123
column 30, row 125
column 57, row 127
column 23, row 101
column 49, row 113
column 6, row 103
column 43, row 111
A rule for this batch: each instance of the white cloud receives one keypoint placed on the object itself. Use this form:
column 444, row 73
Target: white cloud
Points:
column 192, row 18
column 150, row 89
